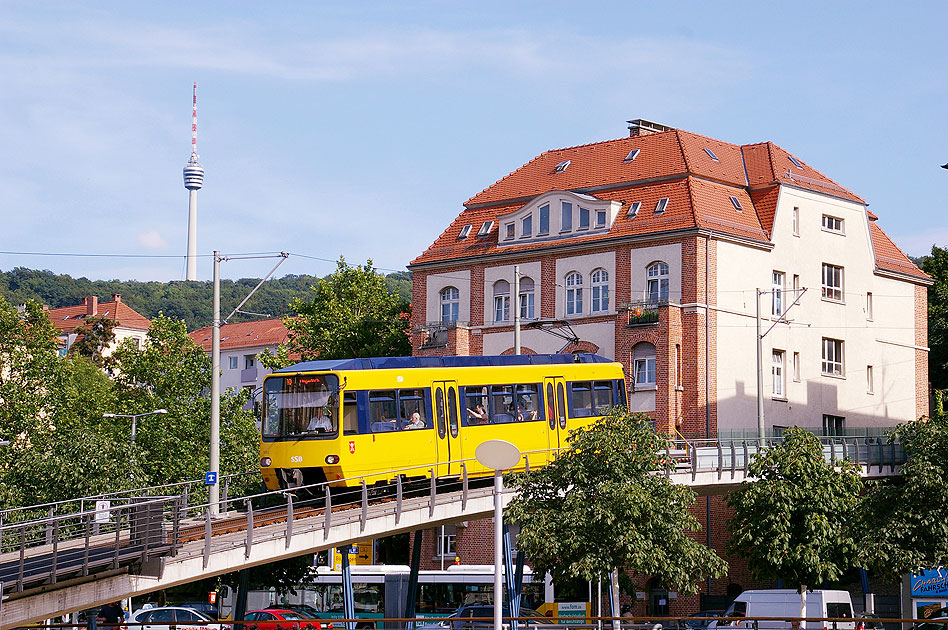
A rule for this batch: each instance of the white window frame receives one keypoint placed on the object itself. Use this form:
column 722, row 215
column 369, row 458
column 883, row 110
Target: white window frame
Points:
column 464, row 232
column 526, row 226
column 526, row 299
column 778, row 374
column 634, row 209
column 869, row 306
column 833, row 283
column 599, row 291
column 446, row 545
column 600, row 218
column 233, row 363
column 834, row 225
column 450, row 299
column 778, row 279
column 544, row 217
column 656, row 282
column 796, row 367
column 796, row 221
column 870, row 380
column 501, row 302
column 566, row 216
column 583, row 214
column 661, row 205
column 486, row 227
column 834, row 357
column 574, row 293
column 838, row 425
column 510, row 231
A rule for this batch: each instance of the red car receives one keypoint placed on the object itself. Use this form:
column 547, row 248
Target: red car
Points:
column 281, row 619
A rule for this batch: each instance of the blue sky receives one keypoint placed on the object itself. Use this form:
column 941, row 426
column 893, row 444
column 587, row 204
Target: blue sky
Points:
column 359, row 129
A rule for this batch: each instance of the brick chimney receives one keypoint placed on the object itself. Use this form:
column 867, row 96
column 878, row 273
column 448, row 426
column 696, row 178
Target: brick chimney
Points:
column 92, row 306
column 642, row 127
column 117, row 298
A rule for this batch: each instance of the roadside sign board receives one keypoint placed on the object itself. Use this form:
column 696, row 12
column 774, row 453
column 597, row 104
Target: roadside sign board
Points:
column 102, row 511
column 210, row 478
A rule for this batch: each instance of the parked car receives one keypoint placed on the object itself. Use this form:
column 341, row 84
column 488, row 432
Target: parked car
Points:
column 283, row 619
column 701, row 624
column 205, row 608
column 933, row 623
column 870, row 622
column 177, row 617
column 306, row 610
column 785, row 604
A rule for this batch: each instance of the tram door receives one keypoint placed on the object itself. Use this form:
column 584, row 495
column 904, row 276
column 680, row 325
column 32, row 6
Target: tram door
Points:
column 554, row 402
column 447, row 418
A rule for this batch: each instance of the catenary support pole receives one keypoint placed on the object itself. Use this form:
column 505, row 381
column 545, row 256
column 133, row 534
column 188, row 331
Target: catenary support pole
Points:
column 215, row 450
column 761, row 429
column 516, row 308
column 498, row 547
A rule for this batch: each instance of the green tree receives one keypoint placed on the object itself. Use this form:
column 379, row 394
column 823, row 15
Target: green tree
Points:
column 797, row 520
column 603, row 504
column 936, row 265
column 351, row 314
column 906, row 518
column 169, row 371
column 94, row 336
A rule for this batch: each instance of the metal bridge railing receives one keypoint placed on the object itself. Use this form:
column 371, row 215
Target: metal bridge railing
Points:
column 45, row 550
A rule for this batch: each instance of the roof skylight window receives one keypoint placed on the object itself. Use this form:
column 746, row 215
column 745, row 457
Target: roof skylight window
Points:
column 634, row 209
column 797, row 162
column 711, row 154
column 559, row 168
column 634, row 153
column 661, row 205
column 736, row 203
column 485, row 229
column 464, row 232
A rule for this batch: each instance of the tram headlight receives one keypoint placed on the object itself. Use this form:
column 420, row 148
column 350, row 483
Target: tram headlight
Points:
column 332, row 459
column 265, row 462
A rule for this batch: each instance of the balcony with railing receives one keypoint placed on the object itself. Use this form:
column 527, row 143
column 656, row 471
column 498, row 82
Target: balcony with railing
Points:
column 643, row 313
column 435, row 334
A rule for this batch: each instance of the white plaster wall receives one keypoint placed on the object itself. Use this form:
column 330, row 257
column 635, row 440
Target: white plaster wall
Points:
column 603, row 334
column 230, row 378
column 585, row 266
column 506, row 272
column 639, row 260
column 121, row 334
column 742, row 269
column 436, row 282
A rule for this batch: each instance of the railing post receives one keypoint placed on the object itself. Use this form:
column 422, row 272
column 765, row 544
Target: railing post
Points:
column 845, row 448
column 746, row 455
column 733, row 460
column 249, row 528
column 118, row 531
column 49, row 527
column 833, row 452
column 184, row 498
column 365, row 506
column 434, row 493
column 55, row 526
column 207, row 536
column 175, row 527
column 720, row 459
column 694, row 461
column 289, row 518
column 464, row 485
column 225, row 490
column 19, row 578
column 328, row 522
column 85, row 549
column 398, row 498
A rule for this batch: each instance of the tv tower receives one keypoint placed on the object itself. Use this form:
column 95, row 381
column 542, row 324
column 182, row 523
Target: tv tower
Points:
column 193, row 181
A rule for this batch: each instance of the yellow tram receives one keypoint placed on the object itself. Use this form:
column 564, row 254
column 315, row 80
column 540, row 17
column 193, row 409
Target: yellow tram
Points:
column 347, row 420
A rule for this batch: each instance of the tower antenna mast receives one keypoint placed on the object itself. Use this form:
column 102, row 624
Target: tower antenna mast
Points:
column 193, row 181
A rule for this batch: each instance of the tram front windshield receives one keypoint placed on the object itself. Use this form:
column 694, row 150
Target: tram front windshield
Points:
column 300, row 406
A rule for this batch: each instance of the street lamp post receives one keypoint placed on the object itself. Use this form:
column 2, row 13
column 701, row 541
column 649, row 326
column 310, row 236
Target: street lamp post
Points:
column 134, row 417
column 498, row 455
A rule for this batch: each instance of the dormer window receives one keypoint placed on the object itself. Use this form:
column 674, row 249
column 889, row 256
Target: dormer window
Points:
column 600, row 218
column 526, row 226
column 634, row 209
column 509, row 231
column 634, row 153
column 583, row 219
column 544, row 227
column 711, row 154
column 464, row 232
column 562, row 166
column 661, row 205
column 566, row 222
column 486, row 227
column 736, row 203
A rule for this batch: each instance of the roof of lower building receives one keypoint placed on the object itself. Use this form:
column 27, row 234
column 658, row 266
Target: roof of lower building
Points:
column 698, row 175
column 68, row 318
column 261, row 332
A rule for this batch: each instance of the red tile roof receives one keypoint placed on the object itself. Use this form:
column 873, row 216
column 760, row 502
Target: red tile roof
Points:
column 68, row 318
column 671, row 164
column 263, row 332
column 889, row 257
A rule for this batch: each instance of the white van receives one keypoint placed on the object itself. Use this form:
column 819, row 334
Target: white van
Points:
column 786, row 603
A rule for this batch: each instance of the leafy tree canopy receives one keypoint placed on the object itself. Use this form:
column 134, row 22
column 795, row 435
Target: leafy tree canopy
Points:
column 94, row 335
column 906, row 518
column 604, row 504
column 351, row 313
column 796, row 521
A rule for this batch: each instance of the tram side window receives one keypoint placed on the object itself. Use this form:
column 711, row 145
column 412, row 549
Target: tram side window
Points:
column 528, row 402
column 477, row 404
column 350, row 413
column 502, row 404
column 411, row 402
column 383, row 411
column 580, row 400
column 602, row 395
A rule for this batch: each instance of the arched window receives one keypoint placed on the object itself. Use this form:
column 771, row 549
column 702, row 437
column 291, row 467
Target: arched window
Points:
column 526, row 298
column 450, row 304
column 656, row 276
column 574, row 294
column 600, row 291
column 643, row 366
column 501, row 301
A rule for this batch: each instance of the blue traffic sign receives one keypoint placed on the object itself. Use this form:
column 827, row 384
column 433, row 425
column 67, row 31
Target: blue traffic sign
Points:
column 210, row 478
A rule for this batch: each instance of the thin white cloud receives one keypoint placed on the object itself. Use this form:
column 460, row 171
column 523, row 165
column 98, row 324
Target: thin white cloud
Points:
column 152, row 240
